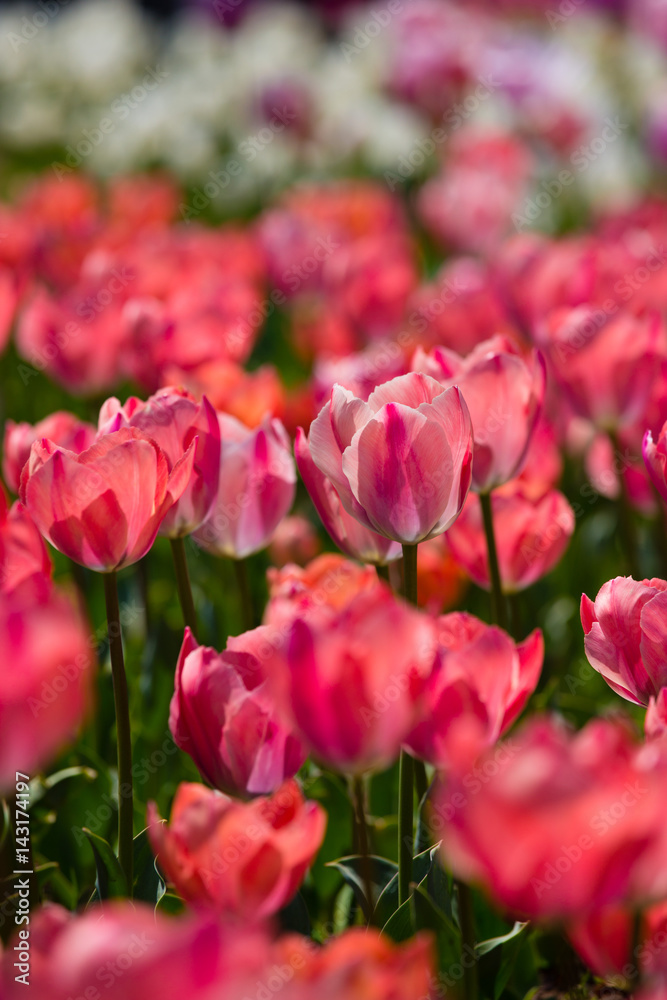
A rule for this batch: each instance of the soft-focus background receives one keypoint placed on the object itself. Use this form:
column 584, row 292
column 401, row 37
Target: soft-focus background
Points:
column 373, row 179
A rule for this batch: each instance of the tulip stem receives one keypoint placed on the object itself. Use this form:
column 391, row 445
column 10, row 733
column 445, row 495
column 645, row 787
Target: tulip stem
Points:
column 362, row 841
column 243, row 585
column 183, row 584
column 467, row 927
column 123, row 732
column 410, row 573
column 498, row 608
column 383, row 572
column 406, row 764
column 626, row 522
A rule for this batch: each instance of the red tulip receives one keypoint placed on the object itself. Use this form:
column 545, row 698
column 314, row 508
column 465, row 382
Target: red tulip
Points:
column 103, row 508
column 352, row 679
column 504, row 395
column 625, row 636
column 400, row 463
column 605, row 941
column 255, row 490
column 359, row 964
column 173, row 419
column 45, row 679
column 24, row 561
column 64, row 429
column 246, row 859
column 480, row 683
column 126, row 951
column 531, row 536
column 346, row 532
column 557, row 825
column 223, row 718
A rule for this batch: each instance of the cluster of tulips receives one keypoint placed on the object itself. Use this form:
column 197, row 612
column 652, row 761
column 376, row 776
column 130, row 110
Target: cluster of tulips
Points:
column 427, row 429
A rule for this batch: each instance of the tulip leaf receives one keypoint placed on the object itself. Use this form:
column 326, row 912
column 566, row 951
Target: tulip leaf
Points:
column 382, row 872
column 429, row 917
column 484, row 947
column 401, row 924
column 294, row 917
column 388, row 900
column 149, row 886
column 511, row 949
column 110, row 879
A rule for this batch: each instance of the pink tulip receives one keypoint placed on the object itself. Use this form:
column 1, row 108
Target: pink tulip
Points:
column 625, row 636
column 655, row 458
column 295, row 540
column 64, row 429
column 103, row 508
column 246, row 859
column 352, row 679
column 559, row 824
column 173, row 419
column 222, row 716
column 255, row 490
column 359, row 964
column 126, row 951
column 531, row 537
column 347, row 533
column 327, row 584
column 504, row 395
column 655, row 721
column 605, row 365
column 480, row 683
column 45, row 679
column 605, row 941
column 400, row 463
column 24, row 560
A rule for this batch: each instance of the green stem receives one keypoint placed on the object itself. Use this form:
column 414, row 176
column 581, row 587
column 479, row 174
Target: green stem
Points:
column 183, row 584
column 626, row 520
column 405, row 825
column 123, row 732
column 362, row 840
column 383, row 572
column 410, row 573
column 498, row 607
column 406, row 764
column 421, row 779
column 247, row 610
column 467, row 925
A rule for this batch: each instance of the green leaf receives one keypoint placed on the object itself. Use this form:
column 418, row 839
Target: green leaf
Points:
column 401, row 924
column 429, row 917
column 295, row 917
column 381, row 872
column 511, row 950
column 388, row 899
column 110, row 879
column 149, row 886
column 40, row 786
column 484, row 947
